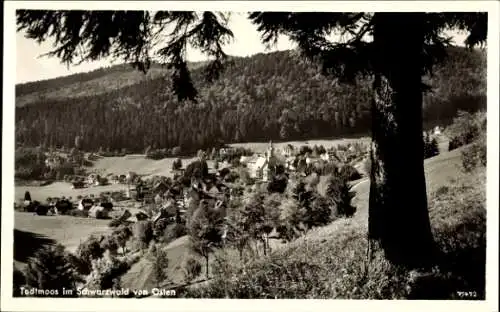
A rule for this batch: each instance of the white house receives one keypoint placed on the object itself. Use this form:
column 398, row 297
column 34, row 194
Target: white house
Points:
column 85, row 204
column 325, row 157
column 54, row 161
column 289, row 163
column 261, row 168
column 437, row 130
column 98, row 212
column 93, row 179
column 114, row 179
column 247, row 159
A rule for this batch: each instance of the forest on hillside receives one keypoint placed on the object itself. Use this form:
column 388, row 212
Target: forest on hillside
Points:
column 277, row 96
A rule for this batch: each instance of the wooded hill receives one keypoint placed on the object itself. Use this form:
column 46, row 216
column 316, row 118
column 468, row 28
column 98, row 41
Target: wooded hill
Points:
column 277, row 96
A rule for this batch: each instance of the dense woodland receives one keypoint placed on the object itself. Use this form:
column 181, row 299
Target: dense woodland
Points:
column 276, row 96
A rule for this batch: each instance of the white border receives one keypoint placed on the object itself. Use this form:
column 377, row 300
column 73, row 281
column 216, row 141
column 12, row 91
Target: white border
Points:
column 22, row 304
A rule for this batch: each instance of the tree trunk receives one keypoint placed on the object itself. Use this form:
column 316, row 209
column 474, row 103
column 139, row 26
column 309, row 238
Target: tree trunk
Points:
column 398, row 215
column 206, row 265
column 265, row 246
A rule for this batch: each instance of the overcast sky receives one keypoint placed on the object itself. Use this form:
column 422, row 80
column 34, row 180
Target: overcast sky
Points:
column 30, row 66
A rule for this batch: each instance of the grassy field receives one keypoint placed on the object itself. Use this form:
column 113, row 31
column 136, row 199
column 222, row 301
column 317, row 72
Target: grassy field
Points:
column 32, row 232
column 140, row 275
column 59, row 189
column 138, row 164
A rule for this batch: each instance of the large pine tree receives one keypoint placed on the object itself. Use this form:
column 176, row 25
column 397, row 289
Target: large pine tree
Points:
column 404, row 47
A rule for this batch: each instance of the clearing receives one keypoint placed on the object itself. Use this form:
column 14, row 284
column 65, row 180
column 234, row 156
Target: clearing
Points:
column 32, row 232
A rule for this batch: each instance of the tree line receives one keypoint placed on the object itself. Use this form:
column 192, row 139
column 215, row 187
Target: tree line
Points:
column 276, row 96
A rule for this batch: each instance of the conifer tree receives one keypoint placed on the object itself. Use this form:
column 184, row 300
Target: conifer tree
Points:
column 51, row 270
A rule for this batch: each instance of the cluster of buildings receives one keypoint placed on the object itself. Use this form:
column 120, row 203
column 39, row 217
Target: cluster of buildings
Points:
column 260, row 165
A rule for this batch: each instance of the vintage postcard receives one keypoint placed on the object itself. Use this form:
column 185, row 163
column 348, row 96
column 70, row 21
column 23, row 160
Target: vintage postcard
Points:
column 340, row 154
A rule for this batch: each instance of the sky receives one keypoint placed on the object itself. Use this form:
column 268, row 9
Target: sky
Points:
column 32, row 66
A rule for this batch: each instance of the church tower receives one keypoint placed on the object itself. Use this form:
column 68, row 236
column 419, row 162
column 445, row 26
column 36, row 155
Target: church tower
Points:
column 270, row 151
column 270, row 162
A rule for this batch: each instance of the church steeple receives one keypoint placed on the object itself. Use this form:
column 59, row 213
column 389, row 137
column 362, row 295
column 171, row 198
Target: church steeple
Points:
column 270, row 151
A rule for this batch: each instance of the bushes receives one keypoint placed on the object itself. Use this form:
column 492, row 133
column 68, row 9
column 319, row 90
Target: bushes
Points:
column 232, row 155
column 179, row 230
column 244, row 177
column 51, row 270
column 159, row 258
column 339, row 196
column 106, row 272
column 474, row 155
column 122, row 235
column 173, row 231
column 205, row 232
column 274, row 278
column 431, row 147
column 196, row 169
column 159, row 228
column 144, row 233
column 177, row 164
column 277, row 184
column 469, row 128
column 466, row 128
column 116, row 222
column 367, row 166
column 110, row 243
column 290, row 221
column 158, row 154
column 350, row 173
column 231, row 177
column 192, row 269
column 319, row 214
column 89, row 250
column 18, row 280
column 454, row 143
column 78, row 213
column 29, row 163
column 117, row 196
column 329, row 168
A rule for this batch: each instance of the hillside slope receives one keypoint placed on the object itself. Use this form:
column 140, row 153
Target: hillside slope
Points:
column 330, row 262
column 90, row 83
column 276, row 96
column 440, row 171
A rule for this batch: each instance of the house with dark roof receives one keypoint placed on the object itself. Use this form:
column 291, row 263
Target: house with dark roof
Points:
column 160, row 187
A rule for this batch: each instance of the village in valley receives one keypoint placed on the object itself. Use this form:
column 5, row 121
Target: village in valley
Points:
column 274, row 175
column 223, row 179
column 176, row 190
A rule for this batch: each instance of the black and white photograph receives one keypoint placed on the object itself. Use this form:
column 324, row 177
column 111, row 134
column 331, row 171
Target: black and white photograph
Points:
column 243, row 150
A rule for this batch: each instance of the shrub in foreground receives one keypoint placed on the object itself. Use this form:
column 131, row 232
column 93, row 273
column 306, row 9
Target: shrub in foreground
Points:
column 106, row 272
column 18, row 280
column 340, row 196
column 144, row 233
column 474, row 155
column 191, row 269
column 350, row 173
column 466, row 128
column 50, row 270
column 88, row 251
